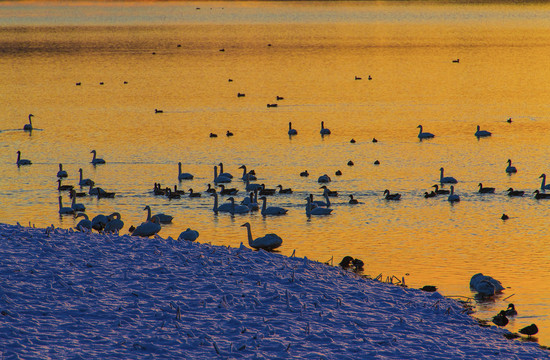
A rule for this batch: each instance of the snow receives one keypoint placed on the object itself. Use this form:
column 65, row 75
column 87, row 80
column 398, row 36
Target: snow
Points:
column 73, row 295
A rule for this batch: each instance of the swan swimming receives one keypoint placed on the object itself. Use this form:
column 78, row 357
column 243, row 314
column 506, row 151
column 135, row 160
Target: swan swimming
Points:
column 511, row 169
column 162, row 218
column 446, row 179
column 183, row 176
column 271, row 210
column 64, row 210
column 324, row 179
column 389, row 196
column 291, row 131
column 222, row 208
column 96, row 160
column 453, row 197
column 317, row 210
column 251, row 187
column 267, row 242
column 20, row 161
column 28, row 127
column 424, row 135
column 148, row 228
column 74, row 205
column 220, row 178
column 247, row 175
column 85, row 182
column 439, row 191
column 61, row 173
column 486, row 190
column 482, row 133
column 189, row 235
column 114, row 223
column 224, row 174
column 543, row 185
column 237, row 209
column 324, row 130
column 84, row 225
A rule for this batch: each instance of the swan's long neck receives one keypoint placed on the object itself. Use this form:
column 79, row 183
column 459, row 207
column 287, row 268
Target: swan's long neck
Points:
column 289, row 126
column 221, row 168
column 325, row 194
column 420, row 132
column 308, row 207
column 452, row 190
column 148, row 214
column 73, row 203
column 244, row 173
column 543, row 181
column 30, row 121
column 215, row 173
column 441, row 176
column 80, row 171
column 18, row 156
column 179, row 169
column 232, row 205
column 249, row 233
column 322, row 125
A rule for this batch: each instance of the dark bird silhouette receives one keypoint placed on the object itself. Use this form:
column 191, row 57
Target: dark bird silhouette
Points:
column 485, row 190
column 352, row 141
column 529, row 330
column 500, row 319
column 504, row 217
column 511, row 310
column 346, row 262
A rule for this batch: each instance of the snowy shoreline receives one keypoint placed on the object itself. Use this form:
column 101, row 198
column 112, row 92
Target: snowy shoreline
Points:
column 71, row 295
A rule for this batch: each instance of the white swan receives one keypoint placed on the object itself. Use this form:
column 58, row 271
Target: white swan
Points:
column 64, row 210
column 74, row 205
column 223, row 208
column 84, row 225
column 324, row 179
column 99, row 222
column 478, row 282
column 511, row 169
column 148, row 228
column 115, row 224
column 163, row 218
column 482, row 133
column 96, row 160
column 324, row 130
column 543, row 185
column 272, row 210
column 252, row 187
column 183, row 176
column 446, row 179
column 247, row 175
column 219, row 178
column 267, row 242
column 291, row 131
column 189, row 235
column 424, row 135
column 237, row 209
column 20, row 161
column 224, row 174
column 452, row 196
column 28, row 127
column 85, row 182
column 317, row 210
column 61, row 173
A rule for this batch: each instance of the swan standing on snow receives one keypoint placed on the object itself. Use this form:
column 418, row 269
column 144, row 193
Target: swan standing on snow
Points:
column 446, row 179
column 74, row 205
column 64, row 210
column 84, row 225
column 291, row 131
column 148, row 228
column 189, row 235
column 183, row 176
column 115, row 224
column 324, row 130
column 162, row 218
column 511, row 169
column 424, row 135
column 61, row 173
column 272, row 210
column 85, row 182
column 543, row 185
column 20, row 161
column 453, row 197
column 317, row 210
column 482, row 133
column 267, row 242
column 96, row 160
column 28, row 127
column 220, row 178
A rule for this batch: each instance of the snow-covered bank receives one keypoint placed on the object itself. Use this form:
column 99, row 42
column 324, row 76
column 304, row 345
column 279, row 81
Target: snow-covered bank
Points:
column 73, row 295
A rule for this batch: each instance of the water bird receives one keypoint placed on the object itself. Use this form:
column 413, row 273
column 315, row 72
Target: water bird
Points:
column 511, row 310
column 329, row 192
column 482, row 133
column 63, row 187
column 374, row 140
column 182, row 175
column 76, row 206
column 78, row 83
column 228, row 133
column 228, row 191
column 504, row 217
column 509, row 120
column 529, row 330
column 446, row 179
column 485, row 285
column 21, row 162
column 28, row 127
column 64, row 210
column 247, row 175
column 485, row 190
column 237, row 209
column 284, row 191
column 511, row 169
column 189, row 235
column 429, row 194
column 452, row 196
column 346, row 262
column 439, row 191
column 279, row 98
column 267, row 242
column 424, row 135
column 456, row 60
column 500, row 319
column 99, row 221
column 352, row 201
column 148, row 228
column 318, row 203
column 512, row 192
column 338, row 173
column 304, row 173
column 315, row 211
column 266, row 191
column 220, row 178
column 539, row 195
column 291, row 131
column 158, row 191
column 210, row 189
column 271, row 105
column 358, row 265
column 96, row 160
column 543, row 185
column 352, row 141
column 178, row 191
column 77, row 194
column 194, row 194
column 389, row 196
column 102, row 194
column 271, row 210
column 324, row 131
column 225, row 174
column 240, row 95
column 370, row 77
column 114, row 223
column 376, row 162
column 251, row 201
column 172, row 195
column 84, row 182
column 84, row 225
column 158, row 111
column 324, row 179
column 222, row 208
column 350, row 163
column 61, row 173
column 357, row 78
column 212, row 135
column 162, row 218
column 251, row 187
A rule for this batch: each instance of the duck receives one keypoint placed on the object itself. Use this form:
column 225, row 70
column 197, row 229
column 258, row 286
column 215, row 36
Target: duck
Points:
column 511, row 169
column 267, row 242
column 21, row 162
column 512, row 192
column 63, row 187
column 247, row 175
column 85, row 182
column 189, row 235
column 428, row 195
column 446, row 179
column 212, row 135
column 84, row 225
column 504, row 217
column 182, row 175
column 439, row 191
column 374, row 140
column 194, row 194
column 511, row 310
column 63, row 210
column 228, row 133
column 357, row 265
column 539, row 195
column 74, row 205
column 61, row 173
column 271, row 210
column 148, row 228
column 482, row 133
column 265, row 191
column 283, row 190
column 389, row 196
column 485, row 190
column 500, row 319
column 28, row 127
column 324, row 179
column 424, row 135
column 291, row 131
column 114, row 224
column 324, row 130
column 102, row 194
column 222, row 208
column 529, row 330
column 304, row 173
column 159, row 111
column 228, row 191
column 452, row 196
column 316, row 211
column 96, row 160
column 352, row 201
column 237, row 209
column 329, row 192
column 177, row 191
column 543, row 185
column 210, row 189
column 220, row 178
column 172, row 195
column 352, row 141
column 228, row 175
column 350, row 163
column 338, row 173
column 162, row 218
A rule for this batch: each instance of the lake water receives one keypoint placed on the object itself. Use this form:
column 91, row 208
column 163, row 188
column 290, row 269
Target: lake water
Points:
column 309, row 53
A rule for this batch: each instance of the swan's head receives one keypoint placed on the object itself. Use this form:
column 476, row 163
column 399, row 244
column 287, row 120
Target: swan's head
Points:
column 147, row 207
column 441, row 169
column 510, row 189
column 92, row 152
column 542, row 176
column 263, row 198
column 435, row 186
column 536, row 192
column 242, row 167
column 386, row 192
column 232, row 199
column 323, row 187
column 509, row 161
column 419, row 127
column 246, row 225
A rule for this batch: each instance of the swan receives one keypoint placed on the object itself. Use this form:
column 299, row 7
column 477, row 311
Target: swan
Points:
column 105, row 194
column 543, row 185
column 539, row 195
column 353, row 201
column 424, row 135
column 95, row 160
column 61, row 173
column 511, row 169
column 194, row 194
column 485, row 190
column 115, row 224
column 512, row 192
column 324, row 179
column 511, row 310
column 291, row 131
column 162, row 218
column 222, row 208
column 224, row 174
column 247, row 175
column 251, row 187
column 63, row 187
column 251, row 201
column 478, row 278
column 28, row 127
column 324, row 131
column 99, row 222
column 85, row 182
column 329, row 192
column 317, row 210
column 317, row 203
column 22, row 161
column 183, row 176
column 148, row 228
column 220, row 178
column 267, row 242
column 272, row 210
column 482, row 133
column 440, row 191
column 446, row 179
column 304, row 173
column 229, row 191
column 264, row 191
column 64, row 210
column 96, row 191
column 237, row 209
column 172, row 195
column 284, row 191
column 428, row 195
column 453, row 197
column 389, row 196
column 74, row 205
column 84, row 225
column 189, row 235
